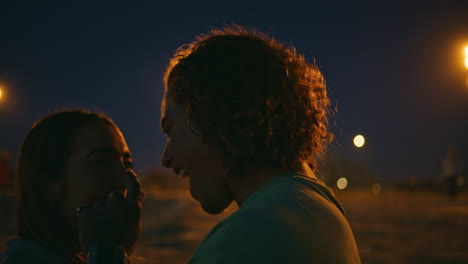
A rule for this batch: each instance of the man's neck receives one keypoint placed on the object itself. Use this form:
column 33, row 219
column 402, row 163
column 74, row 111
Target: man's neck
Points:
column 255, row 178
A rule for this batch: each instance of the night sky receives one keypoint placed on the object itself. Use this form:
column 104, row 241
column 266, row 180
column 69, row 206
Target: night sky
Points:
column 394, row 70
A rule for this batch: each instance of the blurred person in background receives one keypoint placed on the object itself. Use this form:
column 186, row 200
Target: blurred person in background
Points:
column 70, row 158
column 452, row 169
column 246, row 120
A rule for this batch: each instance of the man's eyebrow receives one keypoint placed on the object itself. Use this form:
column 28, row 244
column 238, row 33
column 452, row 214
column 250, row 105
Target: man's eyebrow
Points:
column 109, row 150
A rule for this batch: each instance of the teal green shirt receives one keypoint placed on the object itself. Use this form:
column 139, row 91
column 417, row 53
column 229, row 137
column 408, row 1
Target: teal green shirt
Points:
column 292, row 219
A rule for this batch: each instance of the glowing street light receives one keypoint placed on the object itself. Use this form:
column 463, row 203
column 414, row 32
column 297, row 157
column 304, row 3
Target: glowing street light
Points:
column 359, row 141
column 466, row 57
column 342, row 183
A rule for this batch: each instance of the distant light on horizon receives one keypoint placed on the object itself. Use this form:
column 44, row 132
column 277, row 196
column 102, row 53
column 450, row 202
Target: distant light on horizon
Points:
column 1, row 92
column 376, row 188
column 466, row 51
column 460, row 181
column 359, row 141
column 342, row 183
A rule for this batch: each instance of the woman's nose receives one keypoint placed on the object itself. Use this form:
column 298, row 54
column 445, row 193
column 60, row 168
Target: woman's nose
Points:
column 122, row 174
column 131, row 177
column 135, row 184
column 121, row 180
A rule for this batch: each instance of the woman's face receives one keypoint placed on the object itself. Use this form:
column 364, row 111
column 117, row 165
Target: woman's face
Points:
column 188, row 155
column 100, row 163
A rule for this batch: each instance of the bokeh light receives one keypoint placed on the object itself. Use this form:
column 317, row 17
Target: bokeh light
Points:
column 342, row 183
column 376, row 188
column 460, row 181
column 359, row 141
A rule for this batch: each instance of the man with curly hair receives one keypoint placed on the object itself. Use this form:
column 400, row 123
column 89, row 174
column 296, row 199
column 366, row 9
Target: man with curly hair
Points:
column 246, row 120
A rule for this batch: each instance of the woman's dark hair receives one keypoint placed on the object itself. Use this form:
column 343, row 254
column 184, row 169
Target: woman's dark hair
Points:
column 42, row 161
column 253, row 97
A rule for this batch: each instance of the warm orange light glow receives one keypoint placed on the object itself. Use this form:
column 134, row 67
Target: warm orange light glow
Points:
column 359, row 141
column 342, row 183
column 1, row 92
column 466, row 57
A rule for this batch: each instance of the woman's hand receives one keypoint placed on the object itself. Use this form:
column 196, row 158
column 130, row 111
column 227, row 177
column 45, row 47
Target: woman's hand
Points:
column 115, row 221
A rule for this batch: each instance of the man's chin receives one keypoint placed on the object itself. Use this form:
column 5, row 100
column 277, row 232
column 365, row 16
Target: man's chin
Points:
column 213, row 209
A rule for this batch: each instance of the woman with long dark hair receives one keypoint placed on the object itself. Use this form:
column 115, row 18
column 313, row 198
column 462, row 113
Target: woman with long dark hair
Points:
column 68, row 159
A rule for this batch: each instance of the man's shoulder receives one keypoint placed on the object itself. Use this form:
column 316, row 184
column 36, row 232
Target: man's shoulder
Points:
column 250, row 236
column 287, row 227
column 262, row 236
column 255, row 221
column 295, row 199
column 284, row 219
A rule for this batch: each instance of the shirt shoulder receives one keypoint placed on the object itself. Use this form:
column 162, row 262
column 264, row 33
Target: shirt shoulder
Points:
column 246, row 237
column 290, row 222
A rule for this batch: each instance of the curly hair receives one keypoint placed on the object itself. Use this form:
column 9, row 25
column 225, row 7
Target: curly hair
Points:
column 255, row 98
